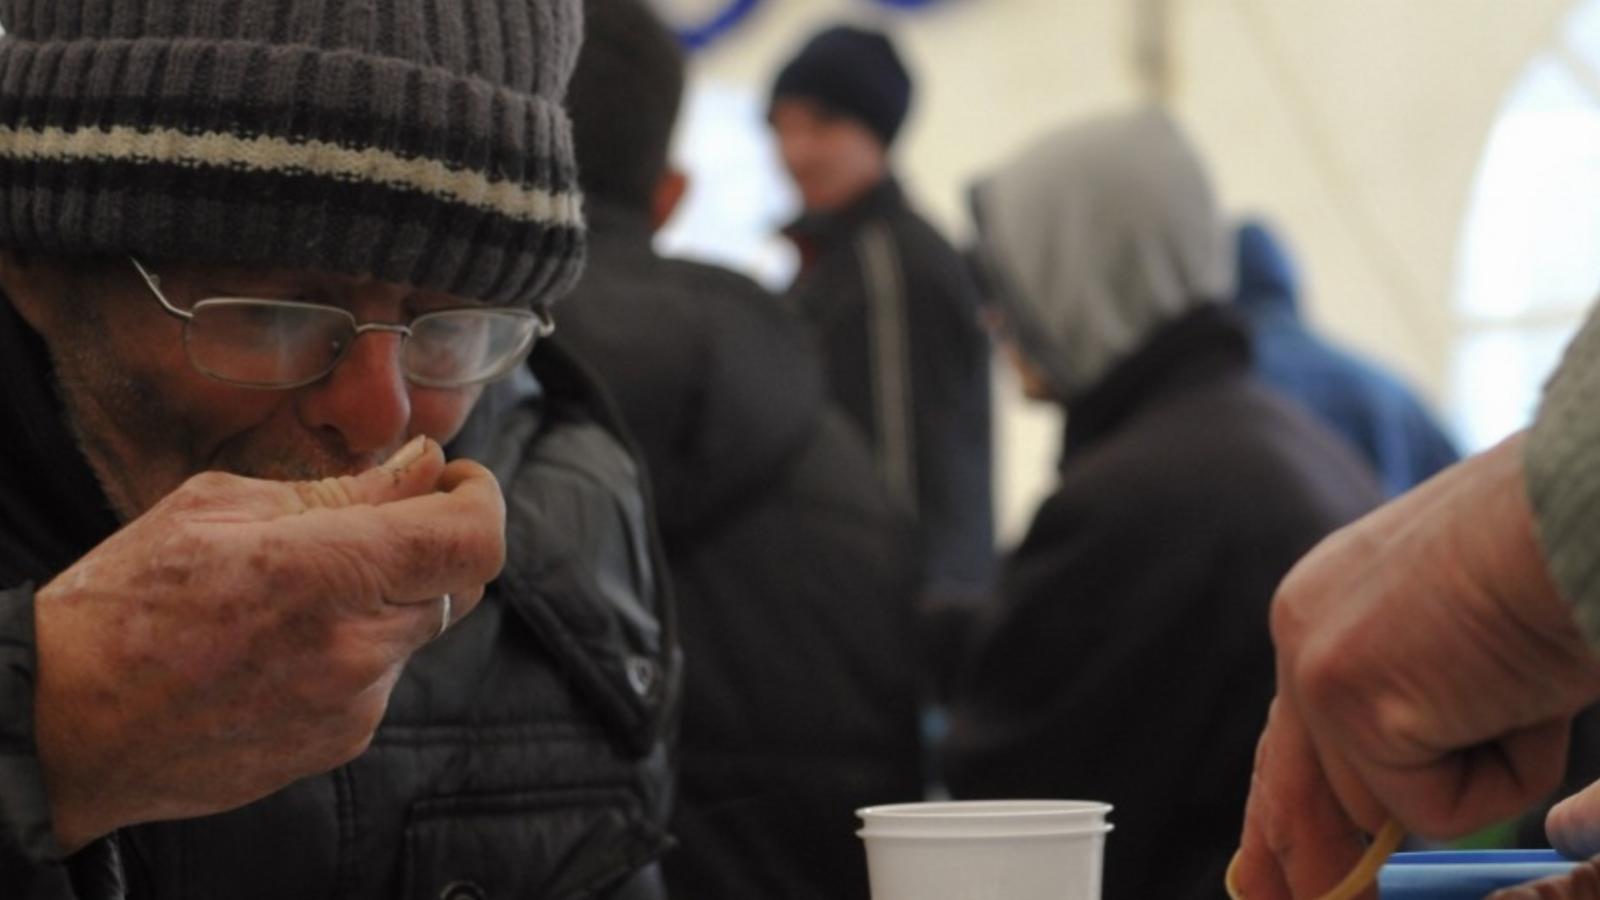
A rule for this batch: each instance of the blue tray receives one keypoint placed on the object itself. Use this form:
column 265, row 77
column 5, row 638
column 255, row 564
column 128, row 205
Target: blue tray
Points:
column 1463, row 874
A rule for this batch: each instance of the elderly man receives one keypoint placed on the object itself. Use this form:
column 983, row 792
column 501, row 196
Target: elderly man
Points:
column 260, row 260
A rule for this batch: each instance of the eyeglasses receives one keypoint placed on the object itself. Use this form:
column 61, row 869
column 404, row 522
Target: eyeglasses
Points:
column 281, row 344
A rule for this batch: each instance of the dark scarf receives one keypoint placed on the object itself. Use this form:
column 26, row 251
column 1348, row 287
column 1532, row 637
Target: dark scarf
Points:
column 814, row 234
column 1195, row 349
column 52, row 510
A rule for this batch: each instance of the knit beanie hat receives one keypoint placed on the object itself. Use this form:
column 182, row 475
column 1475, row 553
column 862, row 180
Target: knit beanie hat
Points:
column 417, row 141
column 855, row 73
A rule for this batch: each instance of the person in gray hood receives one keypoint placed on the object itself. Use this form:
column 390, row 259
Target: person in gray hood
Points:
column 1129, row 660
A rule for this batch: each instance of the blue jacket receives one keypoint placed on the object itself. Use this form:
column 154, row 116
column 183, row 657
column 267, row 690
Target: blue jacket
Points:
column 1368, row 406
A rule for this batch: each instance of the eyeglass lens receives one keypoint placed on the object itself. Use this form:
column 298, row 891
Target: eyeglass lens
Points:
column 282, row 343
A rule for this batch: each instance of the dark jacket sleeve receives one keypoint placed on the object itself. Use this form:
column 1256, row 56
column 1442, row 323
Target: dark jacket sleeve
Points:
column 30, row 865
column 951, row 408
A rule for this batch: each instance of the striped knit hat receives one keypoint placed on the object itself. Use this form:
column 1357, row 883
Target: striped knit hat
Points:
column 418, row 141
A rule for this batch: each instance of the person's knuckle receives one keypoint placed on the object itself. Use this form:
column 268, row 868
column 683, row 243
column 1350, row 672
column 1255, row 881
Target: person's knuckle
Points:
column 467, row 555
column 314, row 694
column 414, row 556
column 1284, row 616
column 210, row 482
column 354, row 663
column 334, row 573
column 491, row 556
column 1324, row 678
column 487, row 539
column 361, row 726
column 346, row 744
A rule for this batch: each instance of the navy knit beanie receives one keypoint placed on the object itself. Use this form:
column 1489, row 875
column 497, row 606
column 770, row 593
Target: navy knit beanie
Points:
column 417, row 141
column 855, row 73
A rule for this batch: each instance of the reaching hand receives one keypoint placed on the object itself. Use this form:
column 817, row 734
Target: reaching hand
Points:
column 243, row 634
column 1427, row 671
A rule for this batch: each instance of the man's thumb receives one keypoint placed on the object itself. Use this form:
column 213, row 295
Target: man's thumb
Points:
column 413, row 470
column 1573, row 826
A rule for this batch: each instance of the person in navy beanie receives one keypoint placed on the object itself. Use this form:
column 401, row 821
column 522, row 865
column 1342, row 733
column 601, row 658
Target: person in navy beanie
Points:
column 895, row 313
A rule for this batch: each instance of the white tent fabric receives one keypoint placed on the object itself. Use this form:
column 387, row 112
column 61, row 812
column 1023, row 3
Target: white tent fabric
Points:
column 1356, row 126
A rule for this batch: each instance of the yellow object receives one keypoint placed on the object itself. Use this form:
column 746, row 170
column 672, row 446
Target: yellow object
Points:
column 1383, row 845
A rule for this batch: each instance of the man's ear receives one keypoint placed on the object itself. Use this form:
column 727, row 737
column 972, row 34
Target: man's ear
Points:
column 26, row 282
column 670, row 190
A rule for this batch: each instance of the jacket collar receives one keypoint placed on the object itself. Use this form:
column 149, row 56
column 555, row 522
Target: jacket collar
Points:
column 1200, row 347
column 816, row 233
column 52, row 509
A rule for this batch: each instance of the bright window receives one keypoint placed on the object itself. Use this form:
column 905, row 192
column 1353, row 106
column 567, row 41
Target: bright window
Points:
column 738, row 194
column 1530, row 254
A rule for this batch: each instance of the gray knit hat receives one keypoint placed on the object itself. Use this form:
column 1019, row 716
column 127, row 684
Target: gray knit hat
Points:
column 417, row 141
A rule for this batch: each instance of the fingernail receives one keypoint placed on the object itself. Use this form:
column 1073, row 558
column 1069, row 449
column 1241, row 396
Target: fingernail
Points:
column 408, row 454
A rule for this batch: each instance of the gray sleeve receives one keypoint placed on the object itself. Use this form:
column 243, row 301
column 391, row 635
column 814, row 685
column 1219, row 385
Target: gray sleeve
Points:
column 1563, row 471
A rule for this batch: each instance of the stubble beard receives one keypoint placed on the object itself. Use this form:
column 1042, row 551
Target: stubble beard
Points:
column 141, row 447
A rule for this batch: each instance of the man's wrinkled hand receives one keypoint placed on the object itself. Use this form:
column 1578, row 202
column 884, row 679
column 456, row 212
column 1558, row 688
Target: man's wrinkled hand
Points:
column 243, row 634
column 1427, row 672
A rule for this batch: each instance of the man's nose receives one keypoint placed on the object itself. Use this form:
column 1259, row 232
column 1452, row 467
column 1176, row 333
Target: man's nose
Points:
column 365, row 400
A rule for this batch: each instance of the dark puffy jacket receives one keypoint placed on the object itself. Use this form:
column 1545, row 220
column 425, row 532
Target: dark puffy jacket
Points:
column 1364, row 404
column 523, row 753
column 1132, row 662
column 794, row 578
column 905, row 357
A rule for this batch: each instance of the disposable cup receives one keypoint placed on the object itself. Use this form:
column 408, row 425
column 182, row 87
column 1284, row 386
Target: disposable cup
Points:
column 985, row 850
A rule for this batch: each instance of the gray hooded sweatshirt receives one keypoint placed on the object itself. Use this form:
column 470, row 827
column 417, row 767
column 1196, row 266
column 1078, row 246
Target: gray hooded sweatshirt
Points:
column 1563, row 471
column 1097, row 236
column 1129, row 659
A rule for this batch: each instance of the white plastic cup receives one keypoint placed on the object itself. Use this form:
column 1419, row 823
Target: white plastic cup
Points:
column 985, row 850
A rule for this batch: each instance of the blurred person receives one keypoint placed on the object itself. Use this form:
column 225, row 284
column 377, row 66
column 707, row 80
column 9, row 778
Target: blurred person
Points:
column 1367, row 406
column 894, row 311
column 1432, row 655
column 1129, row 660
column 795, row 577
column 242, row 311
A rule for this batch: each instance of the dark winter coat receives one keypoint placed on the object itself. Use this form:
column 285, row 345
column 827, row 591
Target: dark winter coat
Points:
column 1131, row 662
column 523, row 753
column 794, row 576
column 905, row 357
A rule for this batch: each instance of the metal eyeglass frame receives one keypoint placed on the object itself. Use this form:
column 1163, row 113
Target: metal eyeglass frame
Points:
column 546, row 326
